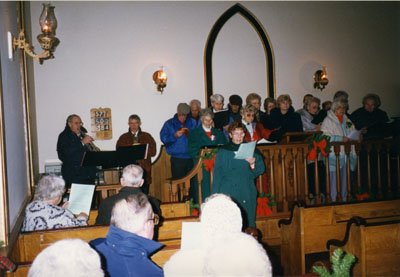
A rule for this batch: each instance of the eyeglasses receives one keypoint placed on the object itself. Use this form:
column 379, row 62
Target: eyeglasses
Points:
column 155, row 219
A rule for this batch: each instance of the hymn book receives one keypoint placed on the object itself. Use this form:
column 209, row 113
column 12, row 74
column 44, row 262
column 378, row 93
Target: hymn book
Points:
column 80, row 198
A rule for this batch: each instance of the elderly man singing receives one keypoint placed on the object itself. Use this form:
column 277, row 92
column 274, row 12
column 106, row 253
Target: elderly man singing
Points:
column 71, row 145
column 128, row 244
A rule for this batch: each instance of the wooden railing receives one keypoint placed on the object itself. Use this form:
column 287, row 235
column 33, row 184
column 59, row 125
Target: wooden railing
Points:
column 287, row 178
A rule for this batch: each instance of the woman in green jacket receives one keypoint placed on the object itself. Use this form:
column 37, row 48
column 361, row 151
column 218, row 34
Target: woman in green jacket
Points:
column 204, row 135
column 236, row 177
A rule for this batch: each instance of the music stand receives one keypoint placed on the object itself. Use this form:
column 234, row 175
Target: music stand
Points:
column 123, row 156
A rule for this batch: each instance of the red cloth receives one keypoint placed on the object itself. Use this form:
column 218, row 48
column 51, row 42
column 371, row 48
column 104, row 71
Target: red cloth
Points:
column 6, row 264
column 209, row 134
column 340, row 117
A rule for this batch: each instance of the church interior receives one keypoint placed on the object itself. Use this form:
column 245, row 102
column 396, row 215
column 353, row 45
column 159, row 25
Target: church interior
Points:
column 107, row 54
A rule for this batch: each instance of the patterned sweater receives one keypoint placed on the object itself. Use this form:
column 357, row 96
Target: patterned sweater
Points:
column 40, row 215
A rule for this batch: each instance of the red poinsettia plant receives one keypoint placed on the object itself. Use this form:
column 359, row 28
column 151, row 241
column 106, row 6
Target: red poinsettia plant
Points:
column 319, row 143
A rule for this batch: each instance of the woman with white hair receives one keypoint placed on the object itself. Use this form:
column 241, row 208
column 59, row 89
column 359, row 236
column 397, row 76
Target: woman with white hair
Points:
column 221, row 115
column 226, row 250
column 338, row 127
column 67, row 257
column 204, row 135
column 44, row 213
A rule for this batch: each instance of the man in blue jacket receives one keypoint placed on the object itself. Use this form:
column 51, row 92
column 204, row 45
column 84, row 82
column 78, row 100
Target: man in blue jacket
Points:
column 174, row 134
column 126, row 249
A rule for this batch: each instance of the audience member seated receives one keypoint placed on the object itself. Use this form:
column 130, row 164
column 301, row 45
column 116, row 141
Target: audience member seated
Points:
column 195, row 107
column 235, row 177
column 371, row 120
column 67, row 257
column 135, row 135
column 269, row 104
column 221, row 115
column 327, row 105
column 306, row 99
column 174, row 135
column 43, row 212
column 338, row 127
column 255, row 100
column 311, row 107
column 284, row 117
column 126, row 249
column 131, row 181
column 204, row 135
column 226, row 251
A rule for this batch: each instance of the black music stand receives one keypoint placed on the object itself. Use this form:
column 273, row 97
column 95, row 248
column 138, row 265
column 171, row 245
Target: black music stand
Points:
column 123, row 156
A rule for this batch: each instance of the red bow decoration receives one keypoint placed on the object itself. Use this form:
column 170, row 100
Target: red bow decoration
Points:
column 361, row 197
column 313, row 153
column 195, row 212
column 262, row 206
column 209, row 163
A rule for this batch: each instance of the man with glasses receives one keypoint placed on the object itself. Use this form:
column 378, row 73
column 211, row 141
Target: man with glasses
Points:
column 128, row 244
column 131, row 181
column 71, row 145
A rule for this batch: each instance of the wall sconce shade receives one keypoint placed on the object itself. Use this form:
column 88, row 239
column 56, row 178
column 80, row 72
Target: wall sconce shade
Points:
column 160, row 79
column 47, row 40
column 321, row 79
column 47, row 20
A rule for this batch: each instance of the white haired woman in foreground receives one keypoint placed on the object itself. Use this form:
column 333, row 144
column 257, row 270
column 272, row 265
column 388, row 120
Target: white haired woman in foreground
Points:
column 226, row 250
column 68, row 257
column 44, row 213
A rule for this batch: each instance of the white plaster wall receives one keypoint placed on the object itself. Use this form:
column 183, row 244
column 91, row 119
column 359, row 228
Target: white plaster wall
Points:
column 109, row 50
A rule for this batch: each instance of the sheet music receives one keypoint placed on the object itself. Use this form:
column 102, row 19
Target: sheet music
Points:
column 246, row 150
column 354, row 135
column 263, row 140
column 192, row 235
column 80, row 198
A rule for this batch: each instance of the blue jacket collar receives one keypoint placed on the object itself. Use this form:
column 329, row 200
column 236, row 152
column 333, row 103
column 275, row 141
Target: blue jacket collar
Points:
column 126, row 243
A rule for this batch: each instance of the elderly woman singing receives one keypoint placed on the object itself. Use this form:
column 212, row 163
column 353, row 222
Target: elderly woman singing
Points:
column 204, row 135
column 338, row 127
column 44, row 213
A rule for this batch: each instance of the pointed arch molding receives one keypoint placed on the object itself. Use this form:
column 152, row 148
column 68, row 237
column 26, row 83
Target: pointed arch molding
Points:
column 269, row 57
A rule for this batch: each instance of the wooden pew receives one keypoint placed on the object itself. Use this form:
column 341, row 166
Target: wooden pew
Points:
column 168, row 210
column 309, row 228
column 375, row 245
column 21, row 271
column 29, row 244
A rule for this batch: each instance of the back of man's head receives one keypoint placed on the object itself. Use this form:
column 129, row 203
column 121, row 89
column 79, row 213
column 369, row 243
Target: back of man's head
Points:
column 68, row 257
column 132, row 214
column 132, row 176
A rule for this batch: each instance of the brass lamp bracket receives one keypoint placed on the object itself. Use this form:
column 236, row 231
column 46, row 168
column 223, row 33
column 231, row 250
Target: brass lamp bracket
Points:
column 47, row 42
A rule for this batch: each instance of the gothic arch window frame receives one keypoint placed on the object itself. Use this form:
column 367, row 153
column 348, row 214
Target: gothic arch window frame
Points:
column 253, row 21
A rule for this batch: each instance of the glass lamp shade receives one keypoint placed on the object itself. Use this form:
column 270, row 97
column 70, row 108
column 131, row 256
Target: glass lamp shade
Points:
column 47, row 20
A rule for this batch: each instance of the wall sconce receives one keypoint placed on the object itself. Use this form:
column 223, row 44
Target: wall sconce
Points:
column 47, row 39
column 321, row 79
column 160, row 79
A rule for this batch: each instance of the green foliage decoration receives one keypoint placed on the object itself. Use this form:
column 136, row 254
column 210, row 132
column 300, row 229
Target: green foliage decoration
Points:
column 341, row 265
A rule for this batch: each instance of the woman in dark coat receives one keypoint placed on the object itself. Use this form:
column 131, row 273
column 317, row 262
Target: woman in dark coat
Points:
column 235, row 177
column 284, row 117
column 204, row 135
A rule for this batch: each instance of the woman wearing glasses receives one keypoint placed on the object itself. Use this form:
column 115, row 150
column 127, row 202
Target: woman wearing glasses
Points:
column 235, row 177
